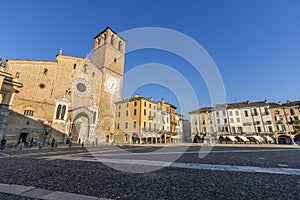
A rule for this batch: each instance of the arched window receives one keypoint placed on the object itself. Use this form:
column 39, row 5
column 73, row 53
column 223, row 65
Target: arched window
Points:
column 94, row 117
column 58, row 110
column 61, row 110
column 94, row 110
column 112, row 39
column 134, row 124
column 120, row 45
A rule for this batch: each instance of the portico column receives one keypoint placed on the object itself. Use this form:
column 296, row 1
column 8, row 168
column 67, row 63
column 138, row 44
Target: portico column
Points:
column 4, row 113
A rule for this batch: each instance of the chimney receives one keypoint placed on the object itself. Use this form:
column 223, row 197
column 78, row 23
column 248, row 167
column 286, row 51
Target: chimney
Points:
column 162, row 100
column 248, row 102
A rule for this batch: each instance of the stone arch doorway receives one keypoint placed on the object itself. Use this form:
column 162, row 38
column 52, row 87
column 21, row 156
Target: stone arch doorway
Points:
column 23, row 135
column 297, row 139
column 284, row 139
column 80, row 128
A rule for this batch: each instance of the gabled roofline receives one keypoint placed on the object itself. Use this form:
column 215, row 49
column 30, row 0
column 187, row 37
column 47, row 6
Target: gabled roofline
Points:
column 51, row 61
column 111, row 30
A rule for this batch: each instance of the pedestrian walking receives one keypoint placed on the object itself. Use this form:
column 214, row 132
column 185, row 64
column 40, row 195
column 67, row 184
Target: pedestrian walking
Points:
column 21, row 143
column 53, row 143
column 27, row 143
column 3, row 143
column 70, row 142
column 31, row 142
column 35, row 142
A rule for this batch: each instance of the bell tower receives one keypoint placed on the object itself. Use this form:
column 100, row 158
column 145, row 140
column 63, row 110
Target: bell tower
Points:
column 109, row 49
column 108, row 57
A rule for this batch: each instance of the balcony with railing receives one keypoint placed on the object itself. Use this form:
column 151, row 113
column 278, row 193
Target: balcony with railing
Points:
column 256, row 123
column 268, row 122
column 281, row 132
column 151, row 117
column 297, row 131
column 247, row 124
column 173, row 123
column 223, row 133
column 265, row 113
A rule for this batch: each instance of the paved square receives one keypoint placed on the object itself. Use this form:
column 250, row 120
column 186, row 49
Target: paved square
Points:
column 227, row 172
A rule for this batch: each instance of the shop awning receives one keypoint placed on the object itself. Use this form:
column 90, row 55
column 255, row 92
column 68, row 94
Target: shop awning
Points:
column 243, row 138
column 256, row 137
column 151, row 135
column 232, row 138
column 269, row 139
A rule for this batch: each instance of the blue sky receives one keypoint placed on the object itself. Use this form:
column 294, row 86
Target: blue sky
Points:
column 255, row 44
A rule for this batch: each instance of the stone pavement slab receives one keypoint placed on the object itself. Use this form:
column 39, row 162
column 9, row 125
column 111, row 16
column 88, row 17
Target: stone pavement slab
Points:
column 36, row 193
column 67, row 196
column 14, row 189
column 31, row 192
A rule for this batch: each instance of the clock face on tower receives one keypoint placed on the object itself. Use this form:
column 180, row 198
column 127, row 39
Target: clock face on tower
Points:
column 112, row 85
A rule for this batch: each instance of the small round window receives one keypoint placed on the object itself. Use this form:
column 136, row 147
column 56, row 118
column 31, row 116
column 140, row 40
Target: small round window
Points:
column 81, row 87
column 42, row 85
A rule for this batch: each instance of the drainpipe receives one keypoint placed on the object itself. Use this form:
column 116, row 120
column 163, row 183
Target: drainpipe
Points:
column 289, row 128
column 140, row 120
column 228, row 120
column 261, row 117
column 252, row 116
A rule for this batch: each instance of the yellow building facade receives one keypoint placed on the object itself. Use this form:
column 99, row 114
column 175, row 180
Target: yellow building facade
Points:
column 136, row 119
column 140, row 120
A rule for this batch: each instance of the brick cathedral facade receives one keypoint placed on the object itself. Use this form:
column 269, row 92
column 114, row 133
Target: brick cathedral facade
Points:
column 70, row 97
